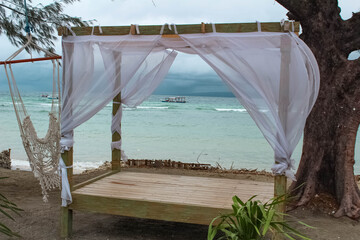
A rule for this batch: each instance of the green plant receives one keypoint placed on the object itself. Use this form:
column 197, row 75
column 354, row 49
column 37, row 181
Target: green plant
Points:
column 252, row 220
column 7, row 206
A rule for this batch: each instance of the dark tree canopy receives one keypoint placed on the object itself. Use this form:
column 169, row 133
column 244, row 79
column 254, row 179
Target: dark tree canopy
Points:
column 43, row 20
column 327, row 162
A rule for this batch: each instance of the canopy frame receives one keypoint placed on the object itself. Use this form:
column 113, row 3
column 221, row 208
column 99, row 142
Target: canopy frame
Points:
column 280, row 181
column 181, row 29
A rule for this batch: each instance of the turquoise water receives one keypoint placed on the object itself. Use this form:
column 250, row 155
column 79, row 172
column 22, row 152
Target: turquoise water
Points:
column 205, row 129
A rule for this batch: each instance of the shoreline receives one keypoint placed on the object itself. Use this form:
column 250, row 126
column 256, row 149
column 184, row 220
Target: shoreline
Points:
column 79, row 167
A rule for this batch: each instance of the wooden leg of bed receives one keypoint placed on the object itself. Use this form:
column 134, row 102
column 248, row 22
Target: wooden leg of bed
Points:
column 280, row 189
column 66, row 222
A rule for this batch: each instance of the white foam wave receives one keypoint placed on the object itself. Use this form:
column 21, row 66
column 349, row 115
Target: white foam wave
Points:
column 6, row 103
column 20, row 164
column 230, row 109
column 141, row 107
column 48, row 104
column 79, row 167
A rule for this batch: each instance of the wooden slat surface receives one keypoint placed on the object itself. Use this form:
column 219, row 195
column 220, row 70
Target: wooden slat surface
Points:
column 176, row 189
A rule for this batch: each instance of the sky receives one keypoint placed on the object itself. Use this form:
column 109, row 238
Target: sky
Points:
column 189, row 75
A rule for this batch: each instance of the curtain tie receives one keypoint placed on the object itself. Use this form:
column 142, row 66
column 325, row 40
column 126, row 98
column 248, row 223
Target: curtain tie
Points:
column 284, row 166
column 258, row 26
column 72, row 32
column 213, row 27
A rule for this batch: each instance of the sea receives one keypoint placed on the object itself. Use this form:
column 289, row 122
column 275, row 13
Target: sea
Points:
column 214, row 130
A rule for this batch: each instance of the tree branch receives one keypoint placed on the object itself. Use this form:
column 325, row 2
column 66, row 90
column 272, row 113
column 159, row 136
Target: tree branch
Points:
column 351, row 37
column 12, row 9
column 305, row 10
column 295, row 7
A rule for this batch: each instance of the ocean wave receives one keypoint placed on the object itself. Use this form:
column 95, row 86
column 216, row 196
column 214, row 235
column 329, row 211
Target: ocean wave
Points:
column 230, row 109
column 79, row 167
column 142, row 107
column 4, row 104
column 48, row 104
column 204, row 108
column 20, row 164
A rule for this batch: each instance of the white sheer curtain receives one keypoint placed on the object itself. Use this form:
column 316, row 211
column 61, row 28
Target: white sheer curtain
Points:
column 273, row 75
column 146, row 77
column 89, row 84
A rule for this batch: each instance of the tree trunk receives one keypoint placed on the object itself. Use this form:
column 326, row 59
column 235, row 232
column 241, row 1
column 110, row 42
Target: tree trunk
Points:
column 328, row 154
column 327, row 162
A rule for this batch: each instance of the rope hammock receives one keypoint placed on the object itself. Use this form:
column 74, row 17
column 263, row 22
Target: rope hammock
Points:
column 43, row 153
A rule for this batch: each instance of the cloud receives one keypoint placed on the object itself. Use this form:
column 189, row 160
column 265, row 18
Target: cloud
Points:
column 189, row 74
column 192, row 84
column 34, row 77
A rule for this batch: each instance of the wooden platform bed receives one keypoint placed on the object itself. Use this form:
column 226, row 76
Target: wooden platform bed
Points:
column 162, row 196
column 166, row 197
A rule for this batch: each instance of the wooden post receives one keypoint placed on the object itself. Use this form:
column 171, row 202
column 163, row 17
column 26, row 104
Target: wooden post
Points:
column 67, row 213
column 280, row 181
column 116, row 153
column 203, row 27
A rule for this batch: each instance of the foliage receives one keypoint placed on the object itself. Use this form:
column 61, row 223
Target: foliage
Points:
column 5, row 207
column 252, row 220
column 43, row 20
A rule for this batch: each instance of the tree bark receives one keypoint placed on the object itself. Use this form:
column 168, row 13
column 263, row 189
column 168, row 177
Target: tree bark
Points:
column 327, row 162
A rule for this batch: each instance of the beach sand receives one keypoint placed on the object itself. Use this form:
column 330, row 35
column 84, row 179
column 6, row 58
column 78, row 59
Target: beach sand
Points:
column 41, row 220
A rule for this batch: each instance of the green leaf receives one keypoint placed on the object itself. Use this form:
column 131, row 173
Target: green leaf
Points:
column 268, row 221
column 253, row 219
column 6, row 214
column 302, row 223
column 236, row 199
column 212, row 231
column 7, row 231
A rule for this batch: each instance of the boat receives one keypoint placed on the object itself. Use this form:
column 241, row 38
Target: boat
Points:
column 52, row 98
column 175, row 100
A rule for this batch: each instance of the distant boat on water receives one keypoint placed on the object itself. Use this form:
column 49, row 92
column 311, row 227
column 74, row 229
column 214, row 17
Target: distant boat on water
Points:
column 48, row 96
column 175, row 100
column 52, row 97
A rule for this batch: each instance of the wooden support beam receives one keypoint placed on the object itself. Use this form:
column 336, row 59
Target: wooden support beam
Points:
column 146, row 209
column 280, row 182
column 67, row 213
column 203, row 27
column 66, row 222
column 181, row 28
column 30, row 60
column 116, row 153
column 132, row 29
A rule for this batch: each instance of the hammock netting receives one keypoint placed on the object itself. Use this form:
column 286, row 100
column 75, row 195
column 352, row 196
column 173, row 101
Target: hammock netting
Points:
column 43, row 153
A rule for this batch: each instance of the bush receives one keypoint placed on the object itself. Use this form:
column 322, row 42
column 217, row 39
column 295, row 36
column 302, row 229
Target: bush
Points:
column 252, row 220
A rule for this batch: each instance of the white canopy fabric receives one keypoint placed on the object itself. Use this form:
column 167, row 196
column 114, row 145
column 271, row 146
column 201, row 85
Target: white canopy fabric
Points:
column 274, row 76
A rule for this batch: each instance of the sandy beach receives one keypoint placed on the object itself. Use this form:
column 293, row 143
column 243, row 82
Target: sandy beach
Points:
column 41, row 220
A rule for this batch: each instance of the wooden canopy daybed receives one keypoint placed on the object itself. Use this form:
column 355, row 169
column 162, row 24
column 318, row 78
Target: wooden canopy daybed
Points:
column 160, row 196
